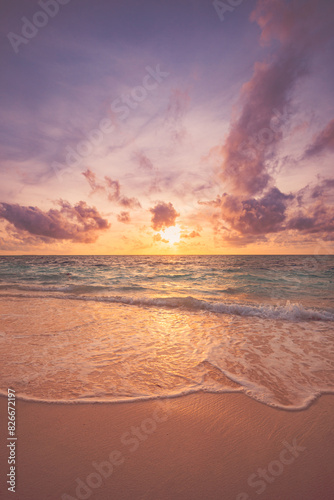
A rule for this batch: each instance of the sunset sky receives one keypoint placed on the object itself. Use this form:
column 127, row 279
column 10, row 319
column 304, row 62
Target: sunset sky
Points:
column 170, row 127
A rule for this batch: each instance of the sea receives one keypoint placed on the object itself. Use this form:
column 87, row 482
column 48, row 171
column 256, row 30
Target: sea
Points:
column 78, row 329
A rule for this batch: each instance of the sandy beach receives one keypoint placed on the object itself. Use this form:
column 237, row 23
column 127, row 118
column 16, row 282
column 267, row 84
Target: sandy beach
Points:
column 201, row 446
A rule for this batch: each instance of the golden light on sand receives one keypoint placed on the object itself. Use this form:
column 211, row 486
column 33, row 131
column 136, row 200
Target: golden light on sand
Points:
column 171, row 234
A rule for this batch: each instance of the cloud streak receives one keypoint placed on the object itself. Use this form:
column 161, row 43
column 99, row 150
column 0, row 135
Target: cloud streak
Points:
column 112, row 189
column 255, row 134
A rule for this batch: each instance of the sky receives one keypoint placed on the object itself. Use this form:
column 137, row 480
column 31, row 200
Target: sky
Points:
column 170, row 127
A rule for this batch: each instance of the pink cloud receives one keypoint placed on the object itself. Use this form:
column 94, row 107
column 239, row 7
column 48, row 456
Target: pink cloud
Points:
column 112, row 189
column 178, row 106
column 322, row 142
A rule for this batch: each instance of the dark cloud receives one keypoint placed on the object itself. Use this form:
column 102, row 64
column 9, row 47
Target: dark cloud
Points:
column 322, row 189
column 112, row 189
column 164, row 215
column 124, row 217
column 256, row 216
column 78, row 223
column 244, row 221
column 323, row 142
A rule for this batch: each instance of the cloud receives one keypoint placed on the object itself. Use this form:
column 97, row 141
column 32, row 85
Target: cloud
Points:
column 322, row 189
column 78, row 223
column 112, row 189
column 92, row 181
column 143, row 161
column 124, row 217
column 323, row 142
column 193, row 234
column 178, row 105
column 254, row 208
column 321, row 220
column 177, row 108
column 306, row 212
column 315, row 210
column 164, row 215
column 256, row 216
column 299, row 26
column 158, row 237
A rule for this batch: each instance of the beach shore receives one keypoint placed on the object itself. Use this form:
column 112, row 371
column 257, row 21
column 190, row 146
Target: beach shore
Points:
column 201, row 446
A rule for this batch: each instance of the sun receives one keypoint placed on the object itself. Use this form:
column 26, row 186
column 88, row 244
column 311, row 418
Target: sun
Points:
column 171, row 234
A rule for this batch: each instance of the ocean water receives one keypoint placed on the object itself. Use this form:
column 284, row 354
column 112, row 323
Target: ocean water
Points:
column 115, row 328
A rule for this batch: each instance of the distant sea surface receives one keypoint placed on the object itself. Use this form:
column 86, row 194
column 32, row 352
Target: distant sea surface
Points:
column 118, row 328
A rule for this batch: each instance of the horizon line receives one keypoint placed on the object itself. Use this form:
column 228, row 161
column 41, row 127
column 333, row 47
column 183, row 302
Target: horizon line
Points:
column 175, row 255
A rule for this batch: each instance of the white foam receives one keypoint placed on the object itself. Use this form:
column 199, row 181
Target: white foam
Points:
column 290, row 312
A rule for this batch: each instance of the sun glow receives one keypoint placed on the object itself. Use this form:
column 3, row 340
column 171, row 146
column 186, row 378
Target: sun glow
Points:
column 171, row 234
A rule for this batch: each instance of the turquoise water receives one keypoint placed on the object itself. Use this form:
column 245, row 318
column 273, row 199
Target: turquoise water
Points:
column 113, row 328
column 246, row 280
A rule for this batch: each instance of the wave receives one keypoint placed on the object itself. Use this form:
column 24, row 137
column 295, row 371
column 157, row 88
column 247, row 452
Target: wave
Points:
column 102, row 399
column 291, row 312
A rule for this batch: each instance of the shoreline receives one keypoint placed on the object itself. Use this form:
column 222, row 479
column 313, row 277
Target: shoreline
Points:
column 198, row 446
column 142, row 399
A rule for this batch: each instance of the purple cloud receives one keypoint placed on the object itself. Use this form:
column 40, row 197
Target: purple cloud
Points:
column 255, row 134
column 164, row 215
column 78, row 223
column 112, row 189
column 124, row 217
column 193, row 234
column 143, row 161
column 178, row 105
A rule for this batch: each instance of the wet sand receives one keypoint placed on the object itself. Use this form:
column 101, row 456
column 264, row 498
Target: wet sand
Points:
column 197, row 447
